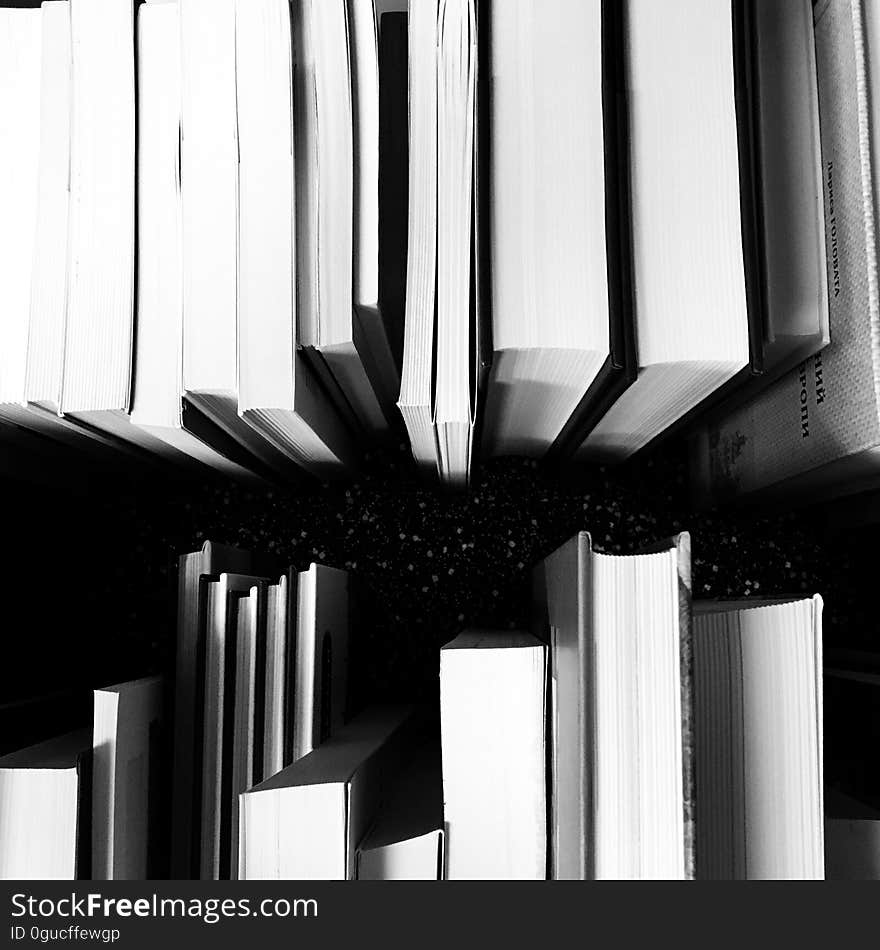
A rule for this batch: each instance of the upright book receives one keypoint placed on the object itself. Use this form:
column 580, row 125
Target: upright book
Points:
column 621, row 710
column 195, row 571
column 278, row 394
column 128, row 809
column 319, row 684
column 278, row 690
column 21, row 36
column 818, row 429
column 753, row 303
column 247, row 701
column 337, row 177
column 48, row 278
column 493, row 705
column 100, row 320
column 561, row 300
column 158, row 406
column 438, row 390
column 306, row 822
column 758, row 718
column 225, row 751
column 209, row 206
column 46, row 810
column 34, row 130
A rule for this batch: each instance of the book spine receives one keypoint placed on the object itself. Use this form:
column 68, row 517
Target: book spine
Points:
column 825, row 410
column 686, row 680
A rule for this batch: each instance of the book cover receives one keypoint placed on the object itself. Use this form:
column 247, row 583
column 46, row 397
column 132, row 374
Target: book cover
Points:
column 825, row 412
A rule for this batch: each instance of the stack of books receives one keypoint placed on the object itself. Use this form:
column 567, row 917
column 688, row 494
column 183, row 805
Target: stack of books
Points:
column 262, row 667
column 590, row 264
column 632, row 733
column 326, row 225
column 152, row 784
column 816, row 433
column 88, row 803
column 192, row 234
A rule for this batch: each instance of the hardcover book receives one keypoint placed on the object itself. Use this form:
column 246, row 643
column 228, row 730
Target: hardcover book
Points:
column 621, row 732
column 746, row 70
column 818, row 428
column 758, row 705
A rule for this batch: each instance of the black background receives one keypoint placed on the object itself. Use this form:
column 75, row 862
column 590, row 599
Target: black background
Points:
column 89, row 558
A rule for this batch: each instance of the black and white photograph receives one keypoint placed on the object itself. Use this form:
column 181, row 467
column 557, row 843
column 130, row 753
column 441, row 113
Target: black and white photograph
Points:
column 439, row 441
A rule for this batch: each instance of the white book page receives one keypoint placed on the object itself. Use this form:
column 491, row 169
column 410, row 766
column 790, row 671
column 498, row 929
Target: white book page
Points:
column 209, row 187
column 20, row 67
column 49, row 279
column 98, row 345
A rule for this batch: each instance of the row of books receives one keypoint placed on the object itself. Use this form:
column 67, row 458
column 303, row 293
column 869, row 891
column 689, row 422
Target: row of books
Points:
column 262, row 671
column 672, row 229
column 190, row 242
column 817, row 431
column 153, row 786
column 642, row 259
column 640, row 736
column 584, row 265
column 633, row 733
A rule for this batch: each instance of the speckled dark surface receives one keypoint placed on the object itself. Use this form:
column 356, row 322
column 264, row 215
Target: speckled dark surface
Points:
column 90, row 580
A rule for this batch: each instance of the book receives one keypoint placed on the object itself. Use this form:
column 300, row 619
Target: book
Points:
column 21, row 35
column 127, row 810
column 818, row 428
column 45, row 810
column 438, row 389
column 281, row 604
column 278, row 394
column 157, row 400
column 561, row 315
column 755, row 162
column 406, row 840
column 337, row 177
column 34, row 119
column 248, row 703
column 758, row 729
column 305, row 822
column 320, row 677
column 493, row 708
column 100, row 315
column 621, row 758
column 48, row 274
column 229, row 621
column 36, row 160
column 208, row 184
column 195, row 571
